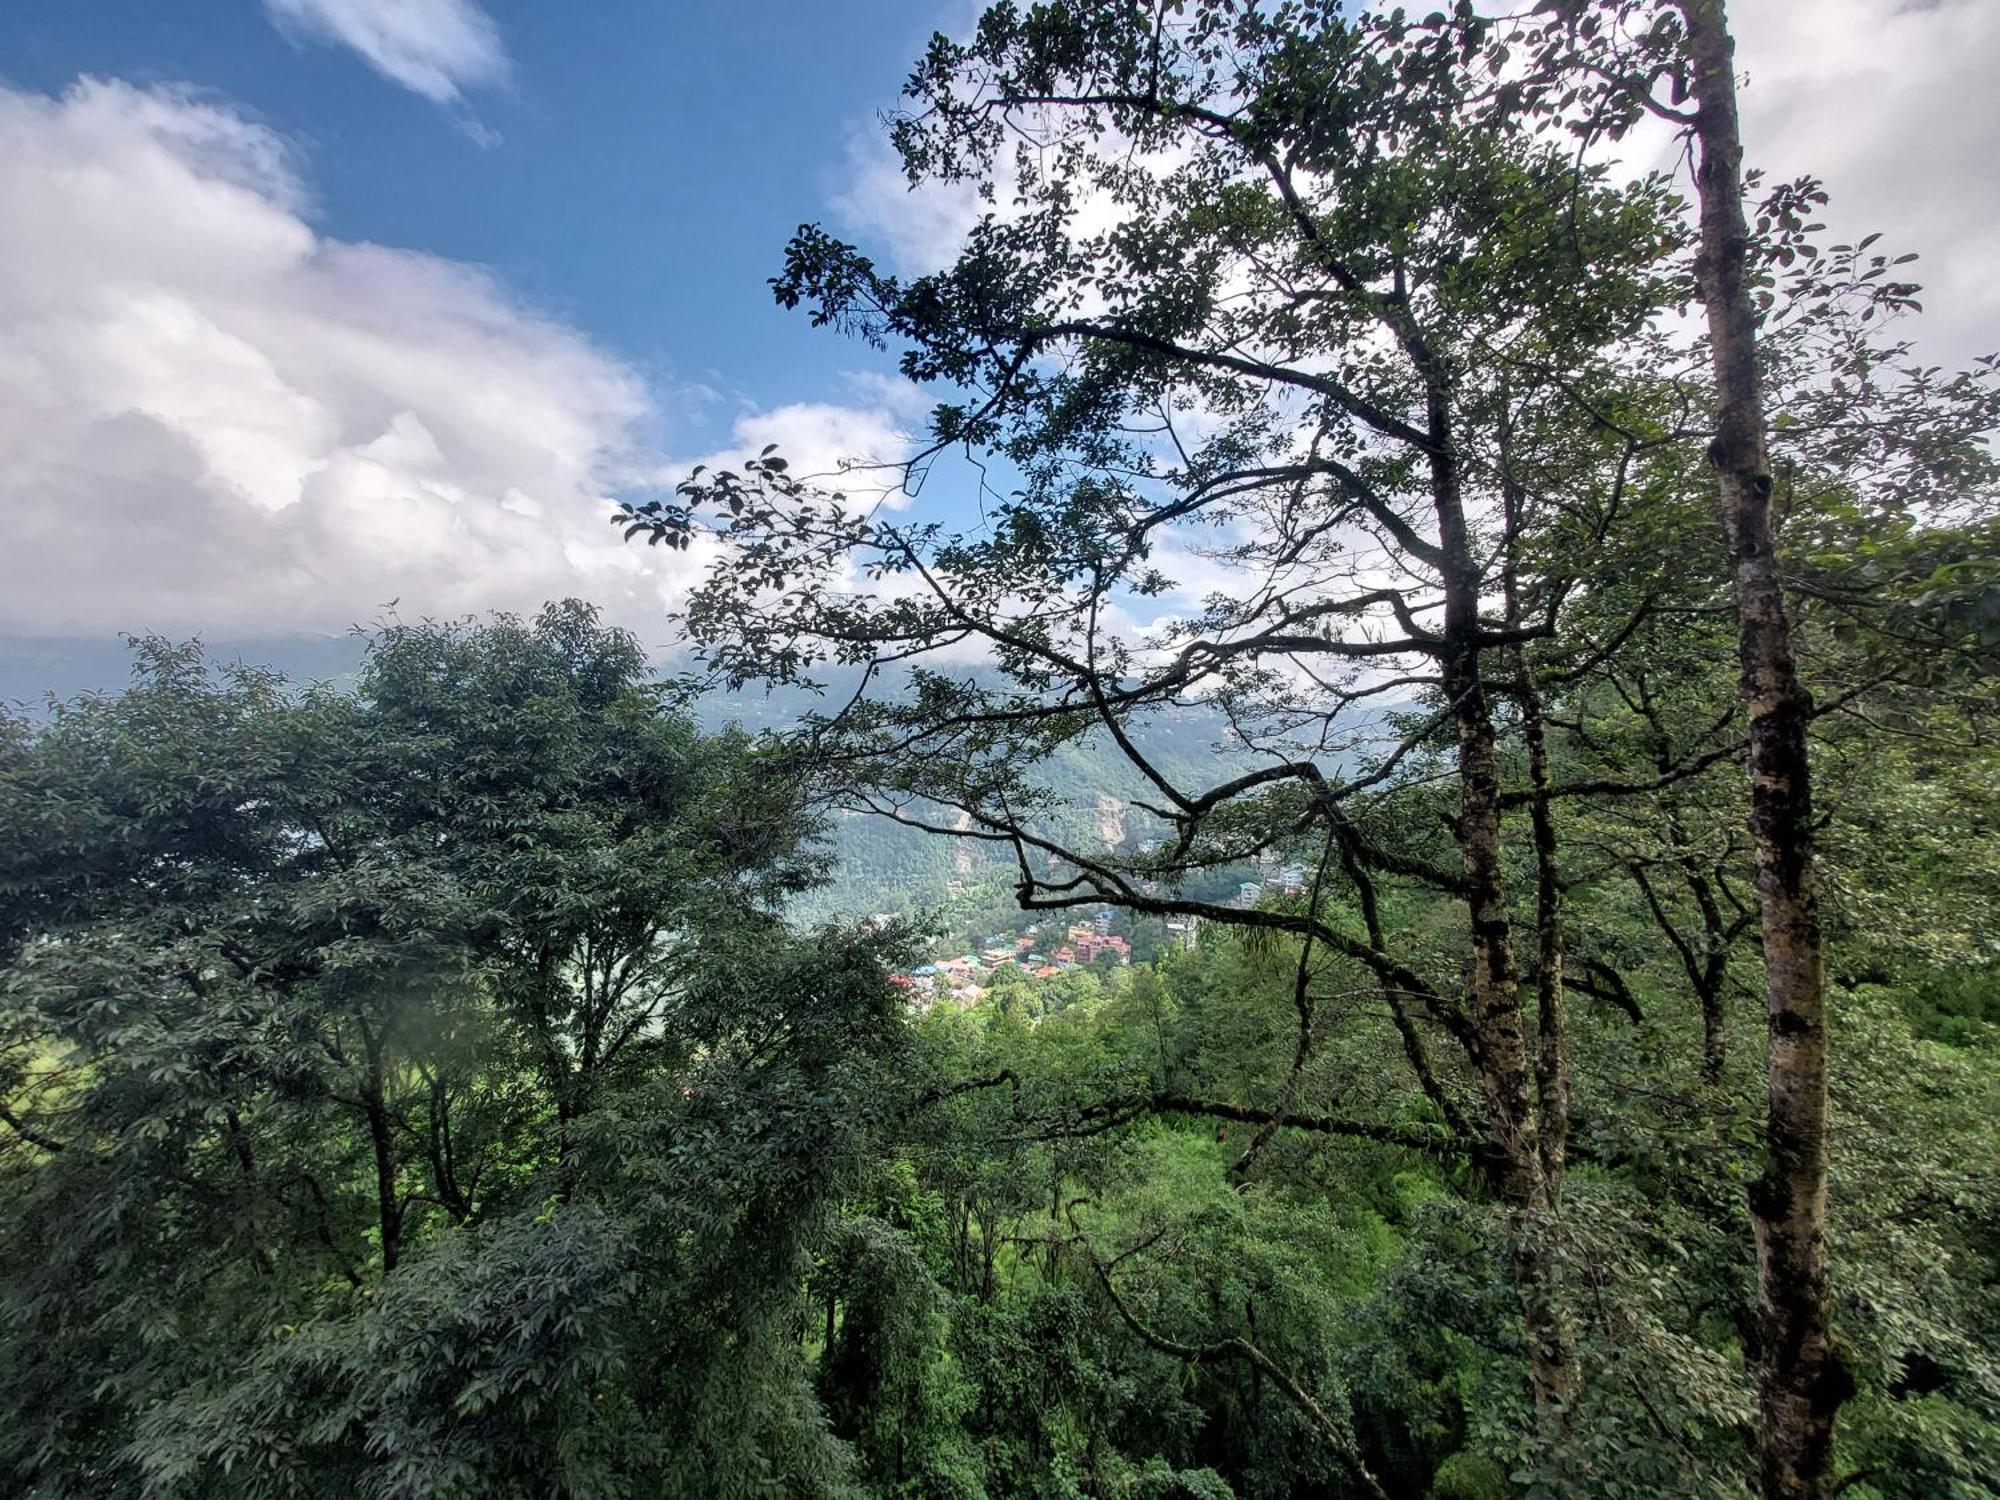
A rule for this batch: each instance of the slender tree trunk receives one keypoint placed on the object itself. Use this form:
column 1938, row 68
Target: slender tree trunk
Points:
column 1711, row 976
column 1055, row 1214
column 374, row 1105
column 1551, row 1043
column 1801, row 1382
column 246, row 1164
column 1517, row 1173
column 444, row 1168
column 1708, row 970
column 1714, row 1032
column 1495, row 987
column 1552, row 1046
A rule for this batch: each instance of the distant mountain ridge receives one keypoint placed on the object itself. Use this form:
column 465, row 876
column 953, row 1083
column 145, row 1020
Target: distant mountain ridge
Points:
column 36, row 668
column 882, row 865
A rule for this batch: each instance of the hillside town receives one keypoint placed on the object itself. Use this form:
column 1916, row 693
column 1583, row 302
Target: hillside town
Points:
column 1040, row 951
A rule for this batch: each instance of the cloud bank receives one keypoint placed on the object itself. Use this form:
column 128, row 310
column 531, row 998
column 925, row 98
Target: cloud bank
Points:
column 1892, row 103
column 217, row 419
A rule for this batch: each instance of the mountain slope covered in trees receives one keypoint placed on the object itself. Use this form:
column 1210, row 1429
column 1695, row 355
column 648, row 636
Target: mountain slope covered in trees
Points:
column 435, row 1083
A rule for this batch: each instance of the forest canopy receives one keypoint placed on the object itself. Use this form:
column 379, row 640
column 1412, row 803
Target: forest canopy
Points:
column 1559, row 1051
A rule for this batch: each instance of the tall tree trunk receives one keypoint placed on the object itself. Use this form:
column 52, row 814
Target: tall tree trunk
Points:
column 1551, row 1043
column 374, row 1105
column 1552, row 1046
column 1801, row 1382
column 1517, row 1173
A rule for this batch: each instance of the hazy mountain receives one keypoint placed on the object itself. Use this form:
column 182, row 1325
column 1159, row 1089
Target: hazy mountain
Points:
column 35, row 668
column 883, row 866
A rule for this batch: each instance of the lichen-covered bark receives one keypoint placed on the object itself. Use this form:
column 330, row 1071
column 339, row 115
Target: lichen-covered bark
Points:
column 1800, row 1379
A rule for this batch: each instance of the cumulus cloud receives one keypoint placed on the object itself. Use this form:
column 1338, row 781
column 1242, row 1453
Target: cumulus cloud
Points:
column 921, row 229
column 436, row 48
column 855, row 451
column 216, row 418
column 1893, row 105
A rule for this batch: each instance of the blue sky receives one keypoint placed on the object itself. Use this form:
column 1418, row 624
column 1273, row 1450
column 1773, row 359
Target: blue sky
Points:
column 313, row 304
column 636, row 173
column 307, row 305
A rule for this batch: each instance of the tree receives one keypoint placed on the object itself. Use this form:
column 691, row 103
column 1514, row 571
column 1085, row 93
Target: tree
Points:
column 1308, row 262
column 1338, row 305
column 415, row 1088
column 1615, row 60
column 1802, row 1382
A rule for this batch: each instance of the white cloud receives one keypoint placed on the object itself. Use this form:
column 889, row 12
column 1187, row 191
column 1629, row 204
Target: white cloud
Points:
column 921, row 228
column 909, row 401
column 217, row 419
column 857, row 451
column 436, row 48
column 1894, row 106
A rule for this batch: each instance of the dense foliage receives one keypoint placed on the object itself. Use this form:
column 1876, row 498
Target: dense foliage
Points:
column 414, row 1091
column 429, row 1088
column 1361, row 316
column 793, row 1245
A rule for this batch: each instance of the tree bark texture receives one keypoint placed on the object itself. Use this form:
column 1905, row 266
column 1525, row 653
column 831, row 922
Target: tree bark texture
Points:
column 374, row 1103
column 1517, row 1168
column 1801, row 1382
